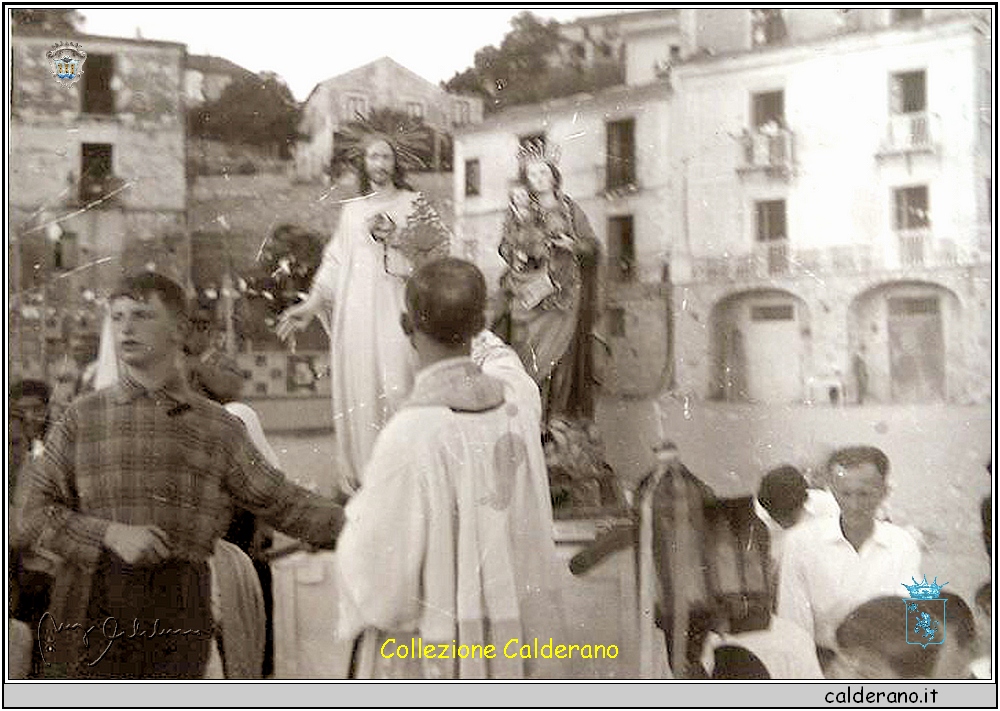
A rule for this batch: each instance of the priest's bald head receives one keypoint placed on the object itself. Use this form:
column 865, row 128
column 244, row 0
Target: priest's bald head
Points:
column 445, row 308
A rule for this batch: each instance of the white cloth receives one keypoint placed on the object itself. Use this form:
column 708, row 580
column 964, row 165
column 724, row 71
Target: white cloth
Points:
column 255, row 430
column 450, row 536
column 819, row 503
column 823, row 578
column 106, row 370
column 371, row 361
column 784, row 648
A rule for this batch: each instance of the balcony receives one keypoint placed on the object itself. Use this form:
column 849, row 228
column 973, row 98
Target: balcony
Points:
column 912, row 245
column 778, row 259
column 907, row 250
column 104, row 190
column 768, row 151
column 908, row 134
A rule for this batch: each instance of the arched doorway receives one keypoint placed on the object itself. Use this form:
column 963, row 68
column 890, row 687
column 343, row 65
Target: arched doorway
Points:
column 760, row 347
column 900, row 338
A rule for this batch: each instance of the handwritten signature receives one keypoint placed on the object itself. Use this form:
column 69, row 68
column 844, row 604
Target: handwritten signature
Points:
column 48, row 628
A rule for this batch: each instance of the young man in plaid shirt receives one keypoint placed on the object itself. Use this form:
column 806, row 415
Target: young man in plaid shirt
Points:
column 136, row 483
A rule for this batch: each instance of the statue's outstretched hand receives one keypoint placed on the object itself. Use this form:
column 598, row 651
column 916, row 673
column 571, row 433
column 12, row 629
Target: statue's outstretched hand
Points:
column 296, row 318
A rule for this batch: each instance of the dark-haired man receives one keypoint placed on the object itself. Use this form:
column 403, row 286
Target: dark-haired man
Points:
column 871, row 645
column 136, row 483
column 449, row 541
column 833, row 564
column 784, row 502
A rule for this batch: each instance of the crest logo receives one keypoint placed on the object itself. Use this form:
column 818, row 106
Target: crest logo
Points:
column 66, row 59
column 925, row 613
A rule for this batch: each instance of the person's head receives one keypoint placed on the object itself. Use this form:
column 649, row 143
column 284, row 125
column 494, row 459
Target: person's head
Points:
column 83, row 346
column 380, row 166
column 783, row 493
column 445, row 306
column 149, row 319
column 201, row 329
column 29, row 400
column 857, row 478
column 959, row 648
column 734, row 662
column 540, row 175
column 871, row 644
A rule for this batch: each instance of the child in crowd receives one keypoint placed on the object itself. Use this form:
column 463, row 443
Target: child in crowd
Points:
column 871, row 645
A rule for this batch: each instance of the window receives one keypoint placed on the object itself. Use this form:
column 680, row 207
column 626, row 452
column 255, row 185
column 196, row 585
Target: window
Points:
column 620, row 153
column 472, row 177
column 908, row 92
column 771, row 221
column 914, row 305
column 912, row 208
column 675, row 53
column 95, row 170
column 768, row 108
column 767, row 26
column 621, row 248
column 907, row 14
column 354, row 106
column 773, row 312
column 66, row 251
column 98, row 96
column 463, row 112
column 414, row 109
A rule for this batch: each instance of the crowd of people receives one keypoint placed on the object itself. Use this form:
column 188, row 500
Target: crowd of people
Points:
column 442, row 522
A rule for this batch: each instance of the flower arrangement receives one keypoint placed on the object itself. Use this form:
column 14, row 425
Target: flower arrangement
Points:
column 579, row 478
column 423, row 238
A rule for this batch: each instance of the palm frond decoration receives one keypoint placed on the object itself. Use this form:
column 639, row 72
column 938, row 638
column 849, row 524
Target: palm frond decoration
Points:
column 411, row 138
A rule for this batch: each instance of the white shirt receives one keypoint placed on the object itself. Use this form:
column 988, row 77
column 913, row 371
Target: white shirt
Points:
column 784, row 648
column 823, row 578
column 819, row 503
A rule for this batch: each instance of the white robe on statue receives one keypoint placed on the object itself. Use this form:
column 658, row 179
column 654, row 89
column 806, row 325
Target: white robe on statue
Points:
column 371, row 361
column 450, row 537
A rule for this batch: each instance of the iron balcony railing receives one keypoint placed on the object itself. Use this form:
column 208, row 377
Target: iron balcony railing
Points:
column 909, row 133
column 769, row 150
column 910, row 249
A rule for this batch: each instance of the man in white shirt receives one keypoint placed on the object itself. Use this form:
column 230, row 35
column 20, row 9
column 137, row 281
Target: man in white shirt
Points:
column 830, row 565
column 784, row 502
column 448, row 544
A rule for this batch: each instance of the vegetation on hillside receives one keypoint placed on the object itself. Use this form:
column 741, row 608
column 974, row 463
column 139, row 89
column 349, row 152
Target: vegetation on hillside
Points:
column 519, row 71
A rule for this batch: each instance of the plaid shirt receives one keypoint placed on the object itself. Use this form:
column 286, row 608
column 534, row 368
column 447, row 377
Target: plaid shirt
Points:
column 167, row 458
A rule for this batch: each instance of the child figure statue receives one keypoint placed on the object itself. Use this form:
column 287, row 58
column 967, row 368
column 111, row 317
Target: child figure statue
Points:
column 525, row 249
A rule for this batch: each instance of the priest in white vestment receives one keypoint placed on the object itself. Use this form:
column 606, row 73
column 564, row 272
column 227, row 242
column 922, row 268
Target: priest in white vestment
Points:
column 448, row 545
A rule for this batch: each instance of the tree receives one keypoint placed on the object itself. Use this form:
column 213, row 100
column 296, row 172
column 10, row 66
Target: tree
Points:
column 53, row 21
column 256, row 110
column 515, row 72
column 520, row 70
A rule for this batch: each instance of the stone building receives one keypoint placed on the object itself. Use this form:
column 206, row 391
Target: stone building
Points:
column 96, row 169
column 206, row 77
column 831, row 197
column 613, row 146
column 812, row 193
column 382, row 84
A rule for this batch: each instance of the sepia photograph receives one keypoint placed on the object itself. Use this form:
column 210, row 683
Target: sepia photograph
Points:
column 506, row 342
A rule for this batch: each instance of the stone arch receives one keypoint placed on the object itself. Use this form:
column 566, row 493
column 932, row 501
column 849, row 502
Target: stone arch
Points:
column 761, row 346
column 905, row 342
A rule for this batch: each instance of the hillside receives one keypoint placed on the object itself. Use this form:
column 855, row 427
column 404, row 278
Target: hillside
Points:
column 234, row 214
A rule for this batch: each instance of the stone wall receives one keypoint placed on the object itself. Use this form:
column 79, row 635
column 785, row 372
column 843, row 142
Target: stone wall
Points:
column 844, row 311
